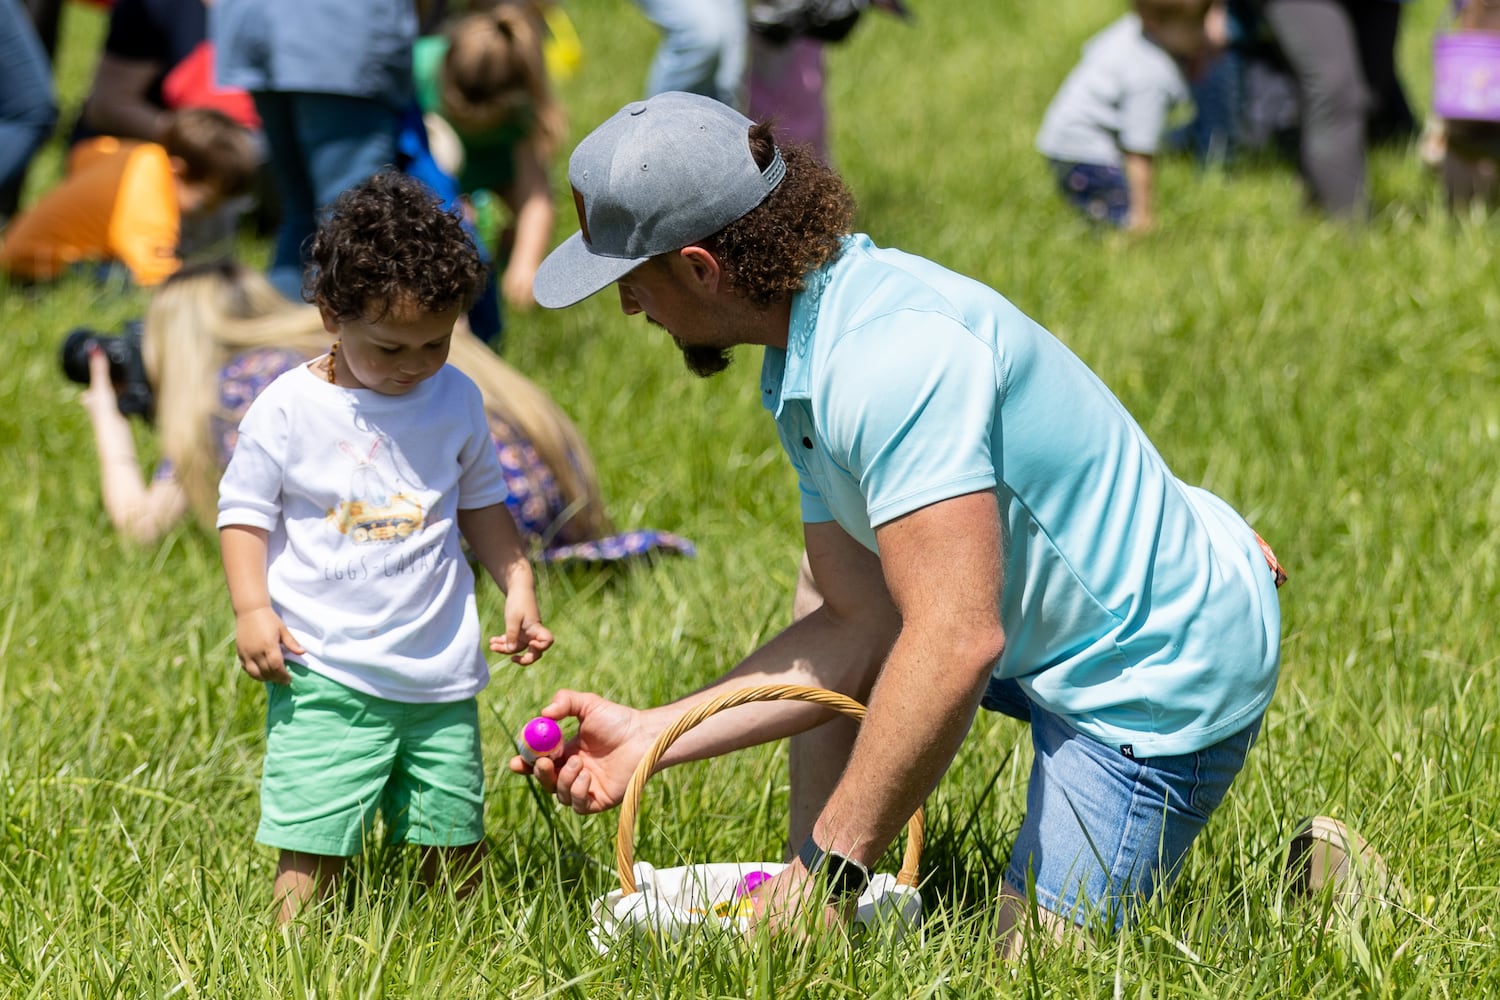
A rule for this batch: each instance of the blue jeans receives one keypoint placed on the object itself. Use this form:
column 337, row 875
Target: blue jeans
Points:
column 319, row 146
column 28, row 106
column 1104, row 832
column 703, row 48
column 1095, row 189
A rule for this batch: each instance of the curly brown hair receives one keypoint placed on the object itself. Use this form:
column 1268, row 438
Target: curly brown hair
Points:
column 768, row 252
column 388, row 244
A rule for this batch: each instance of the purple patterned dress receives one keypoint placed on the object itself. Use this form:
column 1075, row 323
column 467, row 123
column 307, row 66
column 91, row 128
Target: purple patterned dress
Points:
column 534, row 499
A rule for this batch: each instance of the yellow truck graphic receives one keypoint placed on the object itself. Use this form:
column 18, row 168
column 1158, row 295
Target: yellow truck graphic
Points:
column 365, row 521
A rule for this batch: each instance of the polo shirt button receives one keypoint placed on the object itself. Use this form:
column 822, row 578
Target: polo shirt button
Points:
column 807, row 442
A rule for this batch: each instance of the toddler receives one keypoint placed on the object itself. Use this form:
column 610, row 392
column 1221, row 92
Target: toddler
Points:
column 340, row 517
column 1103, row 128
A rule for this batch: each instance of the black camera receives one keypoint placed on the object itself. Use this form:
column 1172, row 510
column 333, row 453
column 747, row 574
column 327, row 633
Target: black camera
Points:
column 127, row 367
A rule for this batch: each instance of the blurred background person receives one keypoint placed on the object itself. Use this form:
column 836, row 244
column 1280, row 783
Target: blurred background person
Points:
column 1464, row 136
column 1342, row 55
column 495, row 124
column 704, row 48
column 157, row 59
column 28, row 101
column 788, row 74
column 330, row 80
column 122, row 204
column 1102, row 130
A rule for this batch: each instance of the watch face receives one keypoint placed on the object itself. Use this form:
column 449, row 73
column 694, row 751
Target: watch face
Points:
column 846, row 877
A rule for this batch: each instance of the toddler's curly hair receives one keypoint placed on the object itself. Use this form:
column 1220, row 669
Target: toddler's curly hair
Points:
column 388, row 245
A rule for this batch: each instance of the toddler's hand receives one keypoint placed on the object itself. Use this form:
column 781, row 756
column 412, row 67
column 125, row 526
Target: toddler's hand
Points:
column 259, row 636
column 515, row 285
column 525, row 644
column 525, row 638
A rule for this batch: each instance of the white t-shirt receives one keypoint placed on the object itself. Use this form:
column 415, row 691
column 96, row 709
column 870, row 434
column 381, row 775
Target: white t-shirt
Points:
column 1117, row 99
column 360, row 493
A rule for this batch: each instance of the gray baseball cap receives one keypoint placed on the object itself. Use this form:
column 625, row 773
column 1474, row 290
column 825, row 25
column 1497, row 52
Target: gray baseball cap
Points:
column 656, row 176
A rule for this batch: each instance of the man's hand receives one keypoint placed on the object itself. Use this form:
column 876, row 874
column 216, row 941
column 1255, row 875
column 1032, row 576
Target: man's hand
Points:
column 596, row 764
column 795, row 902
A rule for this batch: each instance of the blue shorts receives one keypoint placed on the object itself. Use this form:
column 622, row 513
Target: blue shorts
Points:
column 1104, row 832
column 1095, row 189
column 336, row 756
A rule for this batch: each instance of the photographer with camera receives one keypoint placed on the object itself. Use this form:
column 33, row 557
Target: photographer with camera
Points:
column 113, row 370
column 215, row 335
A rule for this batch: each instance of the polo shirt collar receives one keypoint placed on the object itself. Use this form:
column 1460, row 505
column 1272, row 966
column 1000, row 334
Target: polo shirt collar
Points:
column 786, row 373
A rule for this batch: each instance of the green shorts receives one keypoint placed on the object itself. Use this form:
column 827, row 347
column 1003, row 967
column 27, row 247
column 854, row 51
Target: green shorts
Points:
column 334, row 756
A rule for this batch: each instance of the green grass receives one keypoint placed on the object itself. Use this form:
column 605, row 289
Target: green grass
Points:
column 1337, row 387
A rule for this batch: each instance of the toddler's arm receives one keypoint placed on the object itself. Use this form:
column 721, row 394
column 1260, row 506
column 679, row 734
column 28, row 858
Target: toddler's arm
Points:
column 493, row 538
column 259, row 632
column 1138, row 179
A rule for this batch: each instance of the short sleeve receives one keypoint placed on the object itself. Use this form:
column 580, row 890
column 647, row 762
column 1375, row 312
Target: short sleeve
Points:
column 251, row 488
column 481, row 480
column 912, row 412
column 1143, row 119
column 132, row 35
column 146, row 224
column 156, row 31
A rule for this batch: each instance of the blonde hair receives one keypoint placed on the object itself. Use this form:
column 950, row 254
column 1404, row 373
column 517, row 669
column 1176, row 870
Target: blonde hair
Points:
column 494, row 69
column 204, row 316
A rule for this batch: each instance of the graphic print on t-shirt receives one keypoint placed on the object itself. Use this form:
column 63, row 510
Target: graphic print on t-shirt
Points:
column 371, row 513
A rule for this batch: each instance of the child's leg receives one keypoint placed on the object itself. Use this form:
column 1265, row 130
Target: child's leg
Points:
column 457, row 868
column 435, row 798
column 329, row 754
column 302, row 877
column 1470, row 165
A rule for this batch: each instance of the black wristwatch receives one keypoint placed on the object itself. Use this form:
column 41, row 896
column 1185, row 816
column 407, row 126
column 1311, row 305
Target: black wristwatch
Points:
column 847, row 878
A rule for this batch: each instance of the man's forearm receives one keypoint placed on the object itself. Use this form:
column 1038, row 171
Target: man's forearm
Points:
column 821, row 650
column 920, row 711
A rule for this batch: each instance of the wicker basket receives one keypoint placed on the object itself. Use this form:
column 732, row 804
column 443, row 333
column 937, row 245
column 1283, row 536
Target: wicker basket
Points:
column 669, row 902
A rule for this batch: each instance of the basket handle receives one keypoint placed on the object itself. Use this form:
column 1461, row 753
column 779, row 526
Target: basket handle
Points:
column 630, row 805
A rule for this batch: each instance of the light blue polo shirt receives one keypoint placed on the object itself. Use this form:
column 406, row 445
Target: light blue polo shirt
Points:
column 1138, row 608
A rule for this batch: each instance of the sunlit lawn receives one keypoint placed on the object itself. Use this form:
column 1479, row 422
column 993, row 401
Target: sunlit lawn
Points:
column 1338, row 387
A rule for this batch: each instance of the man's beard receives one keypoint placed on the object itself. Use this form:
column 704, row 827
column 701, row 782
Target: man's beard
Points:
column 704, row 362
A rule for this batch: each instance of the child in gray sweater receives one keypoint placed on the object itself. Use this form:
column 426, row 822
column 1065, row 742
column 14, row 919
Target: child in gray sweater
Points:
column 1102, row 130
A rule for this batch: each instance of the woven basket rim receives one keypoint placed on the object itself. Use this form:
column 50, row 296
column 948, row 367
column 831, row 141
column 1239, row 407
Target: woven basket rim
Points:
column 630, row 804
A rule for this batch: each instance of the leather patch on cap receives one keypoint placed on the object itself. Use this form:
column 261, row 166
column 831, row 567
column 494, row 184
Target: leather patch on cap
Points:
column 583, row 219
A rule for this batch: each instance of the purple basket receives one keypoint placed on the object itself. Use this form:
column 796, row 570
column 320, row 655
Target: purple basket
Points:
column 1466, row 75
